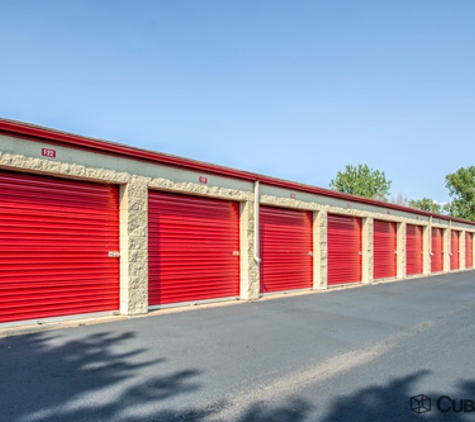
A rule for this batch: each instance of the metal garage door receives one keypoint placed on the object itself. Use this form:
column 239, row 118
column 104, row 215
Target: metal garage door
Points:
column 344, row 249
column 468, row 250
column 193, row 248
column 454, row 250
column 285, row 249
column 414, row 249
column 437, row 250
column 55, row 239
column 385, row 249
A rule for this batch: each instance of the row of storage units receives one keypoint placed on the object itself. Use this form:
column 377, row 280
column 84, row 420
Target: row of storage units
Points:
column 61, row 238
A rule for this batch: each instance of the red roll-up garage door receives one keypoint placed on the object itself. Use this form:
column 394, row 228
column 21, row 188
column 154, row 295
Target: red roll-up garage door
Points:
column 454, row 250
column 414, row 249
column 193, row 248
column 55, row 239
column 285, row 249
column 468, row 250
column 344, row 249
column 437, row 250
column 385, row 249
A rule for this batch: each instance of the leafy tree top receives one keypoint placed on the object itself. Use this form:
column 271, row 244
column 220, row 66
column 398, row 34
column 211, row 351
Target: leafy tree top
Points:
column 426, row 204
column 362, row 180
column 461, row 186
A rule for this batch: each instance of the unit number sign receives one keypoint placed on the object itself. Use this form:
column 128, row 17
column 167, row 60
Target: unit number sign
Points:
column 46, row 152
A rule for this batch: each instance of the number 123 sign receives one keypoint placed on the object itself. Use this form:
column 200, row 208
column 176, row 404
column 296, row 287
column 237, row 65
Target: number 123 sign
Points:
column 46, row 152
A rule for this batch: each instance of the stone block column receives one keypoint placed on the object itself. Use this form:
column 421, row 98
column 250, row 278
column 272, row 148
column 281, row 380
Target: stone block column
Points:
column 473, row 250
column 249, row 288
column 426, row 248
column 462, row 260
column 134, row 247
column 320, row 250
column 367, row 250
column 401, row 250
column 447, row 250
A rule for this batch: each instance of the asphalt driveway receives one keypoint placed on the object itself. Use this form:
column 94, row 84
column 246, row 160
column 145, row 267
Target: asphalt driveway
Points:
column 350, row 355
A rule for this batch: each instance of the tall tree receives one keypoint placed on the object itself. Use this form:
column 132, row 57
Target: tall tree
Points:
column 461, row 186
column 426, row 204
column 363, row 181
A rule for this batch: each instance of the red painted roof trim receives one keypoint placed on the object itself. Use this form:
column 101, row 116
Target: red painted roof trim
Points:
column 42, row 134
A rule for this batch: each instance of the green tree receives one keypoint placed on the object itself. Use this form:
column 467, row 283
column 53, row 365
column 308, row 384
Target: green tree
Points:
column 426, row 204
column 363, row 181
column 461, row 186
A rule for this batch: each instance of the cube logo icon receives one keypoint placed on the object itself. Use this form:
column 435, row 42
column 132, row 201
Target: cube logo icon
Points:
column 420, row 403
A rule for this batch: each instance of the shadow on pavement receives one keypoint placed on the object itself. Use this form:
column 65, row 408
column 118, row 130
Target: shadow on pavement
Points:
column 99, row 378
column 391, row 402
column 378, row 403
column 45, row 378
column 294, row 409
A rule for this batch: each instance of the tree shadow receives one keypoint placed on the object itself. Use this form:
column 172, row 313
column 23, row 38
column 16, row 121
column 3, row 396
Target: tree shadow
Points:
column 378, row 403
column 46, row 378
column 295, row 409
column 102, row 377
column 392, row 402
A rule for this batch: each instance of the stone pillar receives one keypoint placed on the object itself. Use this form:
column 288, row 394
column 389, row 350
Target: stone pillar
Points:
column 401, row 250
column 426, row 248
column 447, row 251
column 320, row 250
column 134, row 247
column 367, row 250
column 249, row 287
column 473, row 251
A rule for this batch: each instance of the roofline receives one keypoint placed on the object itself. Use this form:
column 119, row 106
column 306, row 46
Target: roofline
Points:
column 43, row 134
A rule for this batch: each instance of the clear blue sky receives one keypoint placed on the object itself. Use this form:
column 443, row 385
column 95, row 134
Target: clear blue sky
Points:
column 292, row 89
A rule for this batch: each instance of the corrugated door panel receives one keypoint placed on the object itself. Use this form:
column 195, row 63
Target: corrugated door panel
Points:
column 385, row 248
column 454, row 250
column 414, row 249
column 193, row 248
column 344, row 249
column 437, row 250
column 468, row 250
column 285, row 249
column 55, row 236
